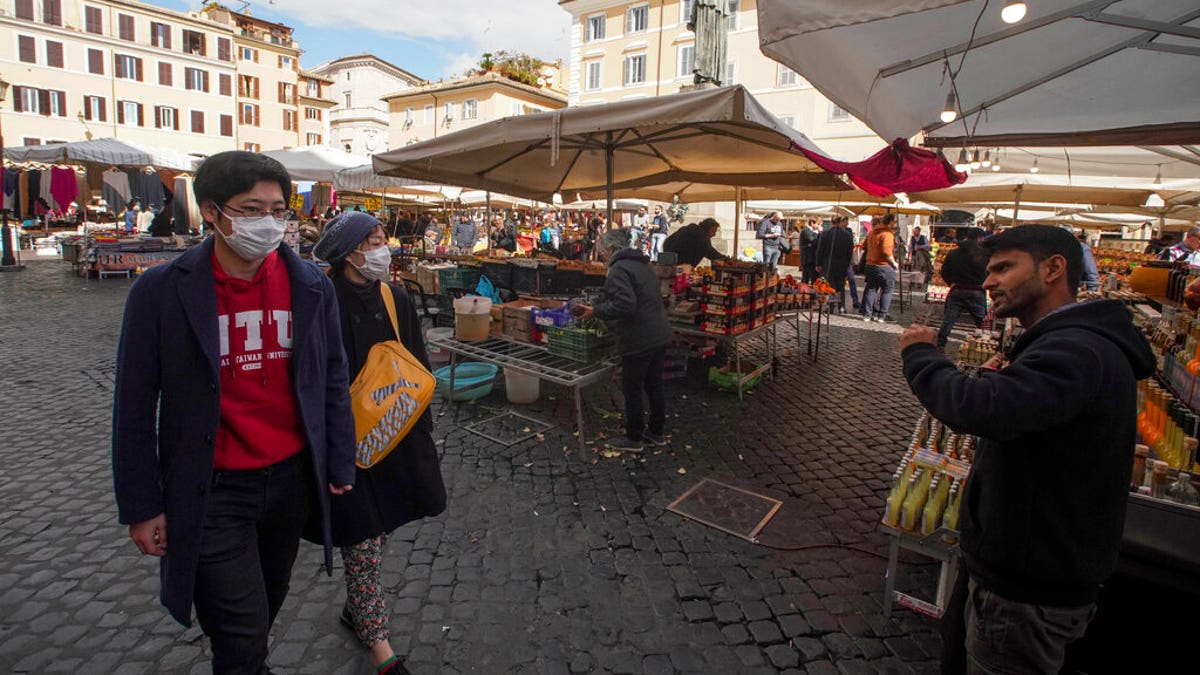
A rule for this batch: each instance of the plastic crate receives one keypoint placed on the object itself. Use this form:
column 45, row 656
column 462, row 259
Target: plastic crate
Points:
column 577, row 344
column 462, row 278
column 551, row 317
column 499, row 273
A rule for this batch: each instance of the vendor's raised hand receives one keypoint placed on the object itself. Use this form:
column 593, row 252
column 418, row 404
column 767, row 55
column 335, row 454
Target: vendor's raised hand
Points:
column 916, row 334
column 583, row 311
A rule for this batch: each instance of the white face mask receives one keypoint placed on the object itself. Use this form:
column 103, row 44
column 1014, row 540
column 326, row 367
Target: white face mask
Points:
column 253, row 238
column 377, row 262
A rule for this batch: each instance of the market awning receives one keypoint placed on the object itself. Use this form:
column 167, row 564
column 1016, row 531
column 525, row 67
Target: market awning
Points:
column 103, row 151
column 315, row 163
column 1071, row 72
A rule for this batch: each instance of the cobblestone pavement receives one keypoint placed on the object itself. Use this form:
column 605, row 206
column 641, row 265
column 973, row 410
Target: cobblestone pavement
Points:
column 541, row 564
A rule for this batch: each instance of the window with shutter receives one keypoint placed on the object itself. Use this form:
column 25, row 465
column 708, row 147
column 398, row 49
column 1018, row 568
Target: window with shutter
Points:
column 140, row 119
column 224, row 49
column 26, row 49
column 137, row 69
column 125, row 27
column 160, row 35
column 54, row 54
column 25, row 9
column 43, row 101
column 93, row 20
column 95, row 62
column 94, row 109
column 226, row 84
column 20, row 102
column 193, row 42
column 166, row 74
column 226, row 125
column 52, row 12
column 197, row 121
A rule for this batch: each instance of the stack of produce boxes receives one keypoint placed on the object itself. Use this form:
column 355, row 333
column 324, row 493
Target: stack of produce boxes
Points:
column 739, row 297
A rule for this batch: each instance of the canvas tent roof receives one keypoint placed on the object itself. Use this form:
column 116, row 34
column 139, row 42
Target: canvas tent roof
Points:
column 103, row 151
column 316, row 163
column 1072, row 72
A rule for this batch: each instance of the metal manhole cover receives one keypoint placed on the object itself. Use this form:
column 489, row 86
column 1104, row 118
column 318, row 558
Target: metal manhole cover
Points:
column 509, row 428
column 727, row 508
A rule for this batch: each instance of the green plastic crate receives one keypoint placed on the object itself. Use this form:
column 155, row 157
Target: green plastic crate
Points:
column 577, row 344
column 459, row 278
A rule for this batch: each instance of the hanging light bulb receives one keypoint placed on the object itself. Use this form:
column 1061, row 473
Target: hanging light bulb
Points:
column 975, row 163
column 1014, row 11
column 987, row 159
column 1034, row 168
column 963, row 163
column 996, row 165
column 950, row 110
column 1157, row 179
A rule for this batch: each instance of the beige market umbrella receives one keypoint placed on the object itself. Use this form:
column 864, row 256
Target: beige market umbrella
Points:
column 710, row 142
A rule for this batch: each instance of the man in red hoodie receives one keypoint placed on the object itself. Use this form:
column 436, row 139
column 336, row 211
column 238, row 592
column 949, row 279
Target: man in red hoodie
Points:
column 236, row 345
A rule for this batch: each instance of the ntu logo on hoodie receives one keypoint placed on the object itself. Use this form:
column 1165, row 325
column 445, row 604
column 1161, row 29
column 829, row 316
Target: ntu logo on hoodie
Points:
column 248, row 350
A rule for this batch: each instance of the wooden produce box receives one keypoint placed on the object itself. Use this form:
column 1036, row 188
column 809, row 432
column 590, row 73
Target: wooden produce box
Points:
column 516, row 318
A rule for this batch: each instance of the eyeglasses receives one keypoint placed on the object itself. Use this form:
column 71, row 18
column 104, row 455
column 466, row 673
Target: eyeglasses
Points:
column 279, row 213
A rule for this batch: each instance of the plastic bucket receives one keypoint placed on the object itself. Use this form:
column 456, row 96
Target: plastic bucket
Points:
column 472, row 318
column 437, row 355
column 471, row 380
column 520, row 387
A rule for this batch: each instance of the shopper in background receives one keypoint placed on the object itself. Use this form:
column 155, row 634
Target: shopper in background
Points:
column 1044, row 507
column 638, row 227
column 949, row 236
column 406, row 484
column 920, row 252
column 1091, row 273
column 881, row 269
column 131, row 216
column 964, row 269
column 633, row 309
column 808, row 250
column 145, row 218
column 225, row 441
column 833, row 251
column 693, row 242
column 464, row 233
column 1186, row 249
column 770, row 230
column 659, row 229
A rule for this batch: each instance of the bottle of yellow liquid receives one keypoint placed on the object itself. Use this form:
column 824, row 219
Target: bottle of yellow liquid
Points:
column 939, row 494
column 950, row 517
column 900, row 481
column 914, row 502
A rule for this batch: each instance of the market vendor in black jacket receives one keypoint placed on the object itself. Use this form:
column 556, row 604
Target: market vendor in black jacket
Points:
column 633, row 309
column 406, row 484
column 693, row 242
column 1044, row 507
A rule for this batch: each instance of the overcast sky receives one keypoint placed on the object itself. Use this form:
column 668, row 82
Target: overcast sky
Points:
column 429, row 38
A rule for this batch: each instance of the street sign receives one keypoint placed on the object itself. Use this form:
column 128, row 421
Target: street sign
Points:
column 372, row 203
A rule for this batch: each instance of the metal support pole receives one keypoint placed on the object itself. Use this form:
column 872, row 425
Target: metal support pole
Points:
column 608, row 177
column 737, row 220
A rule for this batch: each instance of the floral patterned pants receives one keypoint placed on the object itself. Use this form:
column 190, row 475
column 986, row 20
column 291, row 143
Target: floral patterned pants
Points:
column 364, row 590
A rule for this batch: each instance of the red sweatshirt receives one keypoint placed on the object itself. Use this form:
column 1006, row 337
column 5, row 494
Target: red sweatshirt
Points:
column 260, row 420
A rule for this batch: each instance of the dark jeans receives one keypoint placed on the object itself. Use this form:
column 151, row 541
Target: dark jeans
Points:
column 644, row 372
column 808, row 271
column 247, row 547
column 974, row 302
column 984, row 632
column 853, row 287
column 881, row 283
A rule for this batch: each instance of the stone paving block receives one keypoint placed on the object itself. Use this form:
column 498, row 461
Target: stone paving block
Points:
column 810, row 649
column 749, row 655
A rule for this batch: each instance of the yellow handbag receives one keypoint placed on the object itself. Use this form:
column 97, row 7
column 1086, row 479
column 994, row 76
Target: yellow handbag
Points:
column 389, row 395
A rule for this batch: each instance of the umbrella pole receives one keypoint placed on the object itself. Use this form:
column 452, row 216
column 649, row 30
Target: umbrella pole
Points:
column 487, row 216
column 608, row 178
column 737, row 220
column 1017, row 204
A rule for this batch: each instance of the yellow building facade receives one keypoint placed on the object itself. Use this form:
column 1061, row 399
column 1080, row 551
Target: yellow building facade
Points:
column 632, row 49
column 436, row 109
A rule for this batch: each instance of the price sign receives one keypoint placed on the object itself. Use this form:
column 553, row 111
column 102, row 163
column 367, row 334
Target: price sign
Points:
column 296, row 203
column 372, row 203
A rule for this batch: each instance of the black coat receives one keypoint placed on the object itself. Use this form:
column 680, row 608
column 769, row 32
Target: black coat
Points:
column 808, row 246
column 1044, row 506
column 966, row 267
column 632, row 305
column 833, row 250
column 692, row 244
column 407, row 484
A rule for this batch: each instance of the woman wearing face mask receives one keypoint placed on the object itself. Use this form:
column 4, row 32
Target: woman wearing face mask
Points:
column 405, row 485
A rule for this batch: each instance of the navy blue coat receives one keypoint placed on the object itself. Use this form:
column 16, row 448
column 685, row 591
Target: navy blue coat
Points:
column 167, row 364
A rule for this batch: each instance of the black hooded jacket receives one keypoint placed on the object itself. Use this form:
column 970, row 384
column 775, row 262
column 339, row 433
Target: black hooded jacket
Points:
column 1044, row 506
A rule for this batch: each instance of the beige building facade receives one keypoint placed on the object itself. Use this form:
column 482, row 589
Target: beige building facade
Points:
column 198, row 82
column 632, row 49
column 115, row 68
column 359, row 121
column 438, row 109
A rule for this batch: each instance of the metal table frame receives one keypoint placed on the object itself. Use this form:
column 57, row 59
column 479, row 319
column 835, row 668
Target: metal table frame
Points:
column 535, row 361
column 821, row 310
column 767, row 332
column 941, row 545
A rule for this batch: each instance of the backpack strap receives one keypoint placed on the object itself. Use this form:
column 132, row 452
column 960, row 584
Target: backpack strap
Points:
column 390, row 303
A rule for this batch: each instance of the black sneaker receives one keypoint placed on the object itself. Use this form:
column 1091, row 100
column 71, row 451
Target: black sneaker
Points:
column 626, row 445
column 658, row 440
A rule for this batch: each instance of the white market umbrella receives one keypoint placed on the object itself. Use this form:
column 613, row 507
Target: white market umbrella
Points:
column 103, row 151
column 315, row 163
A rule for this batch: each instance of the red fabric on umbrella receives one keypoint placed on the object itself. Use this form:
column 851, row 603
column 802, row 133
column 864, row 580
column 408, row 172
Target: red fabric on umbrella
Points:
column 896, row 168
